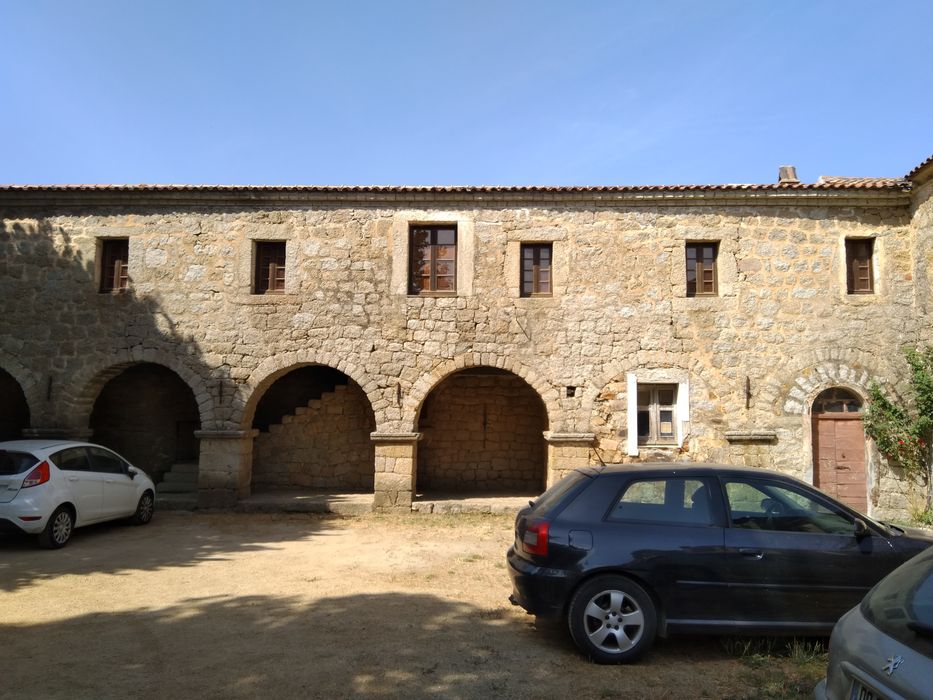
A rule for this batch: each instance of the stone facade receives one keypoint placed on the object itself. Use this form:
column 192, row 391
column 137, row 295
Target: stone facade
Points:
column 745, row 365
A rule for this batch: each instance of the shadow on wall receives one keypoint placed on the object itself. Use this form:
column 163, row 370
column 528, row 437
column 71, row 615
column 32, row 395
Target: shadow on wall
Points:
column 115, row 354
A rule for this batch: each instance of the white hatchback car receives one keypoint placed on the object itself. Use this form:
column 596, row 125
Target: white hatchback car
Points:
column 50, row 487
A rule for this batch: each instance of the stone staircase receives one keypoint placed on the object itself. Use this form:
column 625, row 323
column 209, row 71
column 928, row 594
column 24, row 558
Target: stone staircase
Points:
column 314, row 405
column 178, row 489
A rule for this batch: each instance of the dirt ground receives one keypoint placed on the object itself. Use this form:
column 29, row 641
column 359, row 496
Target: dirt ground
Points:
column 252, row 606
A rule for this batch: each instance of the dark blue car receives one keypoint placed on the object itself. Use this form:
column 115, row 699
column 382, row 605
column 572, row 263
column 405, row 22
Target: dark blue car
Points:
column 628, row 552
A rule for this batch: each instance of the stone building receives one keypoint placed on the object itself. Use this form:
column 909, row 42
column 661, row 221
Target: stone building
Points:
column 407, row 340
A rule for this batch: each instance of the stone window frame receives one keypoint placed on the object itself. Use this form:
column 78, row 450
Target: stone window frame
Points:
column 853, row 263
column 433, row 263
column 533, row 276
column 398, row 246
column 261, row 250
column 111, row 281
column 727, row 268
column 560, row 252
column 245, row 276
column 665, row 376
column 699, row 284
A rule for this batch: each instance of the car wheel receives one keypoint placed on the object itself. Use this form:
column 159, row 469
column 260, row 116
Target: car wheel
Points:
column 612, row 619
column 144, row 509
column 58, row 530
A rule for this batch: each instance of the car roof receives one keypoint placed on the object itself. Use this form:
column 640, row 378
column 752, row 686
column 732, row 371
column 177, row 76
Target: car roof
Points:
column 684, row 469
column 38, row 445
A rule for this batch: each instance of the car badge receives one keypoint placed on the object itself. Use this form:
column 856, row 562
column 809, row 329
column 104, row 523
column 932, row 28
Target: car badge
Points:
column 893, row 664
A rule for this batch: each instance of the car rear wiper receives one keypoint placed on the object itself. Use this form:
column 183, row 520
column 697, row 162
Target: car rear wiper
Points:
column 920, row 628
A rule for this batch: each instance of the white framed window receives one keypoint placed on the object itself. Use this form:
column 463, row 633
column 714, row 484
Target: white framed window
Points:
column 658, row 410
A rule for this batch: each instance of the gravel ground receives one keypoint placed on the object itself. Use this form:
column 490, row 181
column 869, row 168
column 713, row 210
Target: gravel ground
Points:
column 245, row 606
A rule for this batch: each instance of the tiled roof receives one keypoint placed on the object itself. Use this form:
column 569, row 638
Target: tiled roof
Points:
column 825, row 183
column 916, row 171
column 838, row 181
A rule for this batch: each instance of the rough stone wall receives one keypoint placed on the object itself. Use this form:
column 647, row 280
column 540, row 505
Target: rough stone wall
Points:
column 619, row 305
column 323, row 445
column 482, row 433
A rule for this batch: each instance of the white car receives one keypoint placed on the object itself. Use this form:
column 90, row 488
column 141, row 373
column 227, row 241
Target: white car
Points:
column 50, row 487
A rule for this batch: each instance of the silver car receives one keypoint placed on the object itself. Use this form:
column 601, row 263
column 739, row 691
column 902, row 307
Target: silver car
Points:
column 50, row 487
column 883, row 649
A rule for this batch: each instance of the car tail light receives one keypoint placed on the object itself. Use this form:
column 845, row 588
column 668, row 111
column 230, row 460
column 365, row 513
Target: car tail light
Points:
column 37, row 476
column 534, row 541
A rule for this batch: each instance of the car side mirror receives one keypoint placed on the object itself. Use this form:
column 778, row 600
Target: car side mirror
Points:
column 861, row 529
column 130, row 472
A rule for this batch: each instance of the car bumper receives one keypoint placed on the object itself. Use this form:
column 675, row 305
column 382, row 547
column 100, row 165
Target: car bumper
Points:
column 23, row 514
column 539, row 590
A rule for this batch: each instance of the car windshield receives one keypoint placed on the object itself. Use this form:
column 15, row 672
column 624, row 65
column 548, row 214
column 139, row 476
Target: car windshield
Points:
column 901, row 605
column 547, row 500
column 15, row 462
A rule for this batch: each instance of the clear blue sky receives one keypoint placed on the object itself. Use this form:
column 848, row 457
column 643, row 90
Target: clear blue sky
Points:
column 471, row 92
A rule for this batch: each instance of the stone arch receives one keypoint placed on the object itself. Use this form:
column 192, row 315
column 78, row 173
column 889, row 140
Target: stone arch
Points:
column 148, row 413
column 669, row 360
column 87, row 385
column 277, row 366
column 412, row 404
column 817, row 371
column 28, row 383
column 312, row 426
column 482, row 431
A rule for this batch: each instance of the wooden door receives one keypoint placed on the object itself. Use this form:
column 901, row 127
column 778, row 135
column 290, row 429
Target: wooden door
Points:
column 839, row 458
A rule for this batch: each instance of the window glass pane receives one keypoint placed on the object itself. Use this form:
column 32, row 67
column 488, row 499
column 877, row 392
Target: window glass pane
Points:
column 674, row 501
column 72, row 459
column 446, row 236
column 105, row 461
column 443, row 252
column 768, row 506
column 644, row 492
column 16, row 462
column 666, row 424
column 644, row 425
column 445, row 284
column 666, row 397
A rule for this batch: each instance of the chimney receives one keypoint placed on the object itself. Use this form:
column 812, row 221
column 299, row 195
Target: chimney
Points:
column 787, row 175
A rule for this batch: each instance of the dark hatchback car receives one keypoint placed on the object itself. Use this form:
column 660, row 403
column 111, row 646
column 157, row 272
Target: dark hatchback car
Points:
column 626, row 553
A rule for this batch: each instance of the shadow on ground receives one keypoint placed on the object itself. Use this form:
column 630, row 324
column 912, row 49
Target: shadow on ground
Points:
column 170, row 540
column 378, row 645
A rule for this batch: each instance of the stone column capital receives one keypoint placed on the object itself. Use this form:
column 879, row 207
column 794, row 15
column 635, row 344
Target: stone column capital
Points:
column 395, row 438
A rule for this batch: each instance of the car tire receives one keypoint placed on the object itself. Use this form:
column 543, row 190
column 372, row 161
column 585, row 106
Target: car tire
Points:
column 58, row 529
column 144, row 509
column 612, row 619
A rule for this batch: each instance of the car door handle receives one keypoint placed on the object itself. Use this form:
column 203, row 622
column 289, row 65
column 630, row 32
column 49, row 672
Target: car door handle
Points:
column 751, row 553
column 72, row 478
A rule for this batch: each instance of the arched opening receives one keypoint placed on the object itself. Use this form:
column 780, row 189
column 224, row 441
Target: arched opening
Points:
column 14, row 410
column 149, row 414
column 314, row 428
column 839, row 465
column 482, row 432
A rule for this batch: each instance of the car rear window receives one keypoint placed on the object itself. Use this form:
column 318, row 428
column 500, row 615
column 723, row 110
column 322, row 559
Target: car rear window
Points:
column 901, row 605
column 15, row 462
column 554, row 495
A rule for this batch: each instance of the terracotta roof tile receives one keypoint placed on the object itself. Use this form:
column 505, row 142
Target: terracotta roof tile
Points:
column 824, row 184
column 916, row 171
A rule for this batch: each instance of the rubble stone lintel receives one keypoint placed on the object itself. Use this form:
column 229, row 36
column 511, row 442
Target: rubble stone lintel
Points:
column 554, row 438
column 395, row 437
column 225, row 434
column 751, row 435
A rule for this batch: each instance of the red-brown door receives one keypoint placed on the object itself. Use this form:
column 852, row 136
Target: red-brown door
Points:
column 839, row 458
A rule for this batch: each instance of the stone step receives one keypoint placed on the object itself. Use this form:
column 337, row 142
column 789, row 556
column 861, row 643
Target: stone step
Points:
column 176, row 501
column 289, row 418
column 181, row 477
column 185, row 468
column 176, row 487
